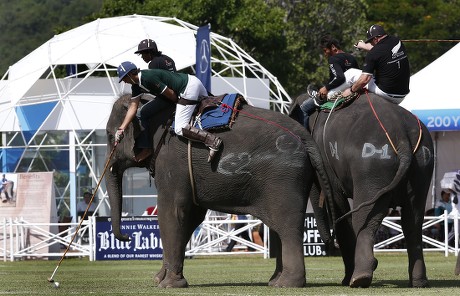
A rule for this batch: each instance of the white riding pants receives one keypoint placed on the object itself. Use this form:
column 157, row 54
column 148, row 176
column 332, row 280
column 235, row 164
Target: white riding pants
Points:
column 194, row 91
column 352, row 75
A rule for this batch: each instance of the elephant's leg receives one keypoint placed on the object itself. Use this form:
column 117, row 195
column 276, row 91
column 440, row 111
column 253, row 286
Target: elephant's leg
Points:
column 347, row 242
column 290, row 232
column 197, row 218
column 346, row 239
column 174, row 217
column 275, row 249
column 412, row 221
column 365, row 223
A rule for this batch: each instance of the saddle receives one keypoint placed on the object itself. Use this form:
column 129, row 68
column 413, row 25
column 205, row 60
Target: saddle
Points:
column 338, row 102
column 218, row 112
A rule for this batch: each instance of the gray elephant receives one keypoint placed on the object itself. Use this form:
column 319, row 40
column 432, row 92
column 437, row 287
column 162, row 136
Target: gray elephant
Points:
column 266, row 168
column 381, row 156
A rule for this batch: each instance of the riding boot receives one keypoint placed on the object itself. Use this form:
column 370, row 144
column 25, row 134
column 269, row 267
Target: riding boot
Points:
column 210, row 140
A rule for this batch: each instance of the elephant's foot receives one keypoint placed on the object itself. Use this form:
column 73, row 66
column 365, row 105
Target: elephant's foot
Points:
column 421, row 283
column 290, row 281
column 159, row 276
column 173, row 280
column 274, row 278
column 362, row 281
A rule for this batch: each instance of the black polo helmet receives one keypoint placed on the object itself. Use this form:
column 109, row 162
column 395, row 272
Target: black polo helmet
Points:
column 147, row 45
column 375, row 31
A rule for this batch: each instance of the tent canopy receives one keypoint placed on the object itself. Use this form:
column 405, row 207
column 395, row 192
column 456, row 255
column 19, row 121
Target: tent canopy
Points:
column 107, row 41
column 433, row 97
column 81, row 101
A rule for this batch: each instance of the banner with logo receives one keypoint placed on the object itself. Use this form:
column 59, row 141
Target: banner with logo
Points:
column 145, row 243
column 440, row 119
column 203, row 56
column 312, row 243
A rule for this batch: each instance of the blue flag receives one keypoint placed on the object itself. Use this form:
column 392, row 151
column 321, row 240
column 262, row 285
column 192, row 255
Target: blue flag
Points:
column 203, row 56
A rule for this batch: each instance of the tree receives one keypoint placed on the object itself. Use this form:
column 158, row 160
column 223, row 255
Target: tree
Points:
column 307, row 22
column 281, row 35
column 423, row 19
column 26, row 24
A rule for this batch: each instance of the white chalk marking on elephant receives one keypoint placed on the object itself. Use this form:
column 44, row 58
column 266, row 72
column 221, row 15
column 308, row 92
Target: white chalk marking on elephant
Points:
column 426, row 154
column 334, row 150
column 287, row 143
column 370, row 150
column 232, row 163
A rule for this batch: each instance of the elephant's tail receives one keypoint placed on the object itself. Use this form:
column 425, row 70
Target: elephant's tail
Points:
column 405, row 158
column 318, row 165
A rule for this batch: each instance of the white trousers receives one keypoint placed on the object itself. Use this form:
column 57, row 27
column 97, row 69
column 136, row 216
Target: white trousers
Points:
column 352, row 75
column 193, row 91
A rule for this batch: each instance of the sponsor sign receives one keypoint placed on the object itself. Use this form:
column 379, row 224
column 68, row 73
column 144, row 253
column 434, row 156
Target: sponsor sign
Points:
column 440, row 120
column 145, row 243
column 31, row 197
column 312, row 243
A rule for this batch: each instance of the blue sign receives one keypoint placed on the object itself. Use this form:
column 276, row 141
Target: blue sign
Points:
column 440, row 119
column 145, row 243
column 203, row 56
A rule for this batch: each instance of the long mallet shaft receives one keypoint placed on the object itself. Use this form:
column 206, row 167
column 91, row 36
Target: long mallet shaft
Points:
column 51, row 279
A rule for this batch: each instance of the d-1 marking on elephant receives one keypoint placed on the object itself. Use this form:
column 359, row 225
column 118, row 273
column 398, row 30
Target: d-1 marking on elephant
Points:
column 369, row 150
column 250, row 175
column 374, row 184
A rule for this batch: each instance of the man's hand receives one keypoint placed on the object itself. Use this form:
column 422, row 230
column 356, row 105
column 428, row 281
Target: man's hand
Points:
column 119, row 135
column 346, row 92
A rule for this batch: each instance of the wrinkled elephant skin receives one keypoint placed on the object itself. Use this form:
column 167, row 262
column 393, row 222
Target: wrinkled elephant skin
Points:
column 368, row 151
column 266, row 168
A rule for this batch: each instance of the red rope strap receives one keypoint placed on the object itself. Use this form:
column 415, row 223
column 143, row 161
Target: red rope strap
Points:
column 225, row 108
column 386, row 133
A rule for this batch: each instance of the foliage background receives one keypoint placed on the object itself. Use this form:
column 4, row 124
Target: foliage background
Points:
column 281, row 34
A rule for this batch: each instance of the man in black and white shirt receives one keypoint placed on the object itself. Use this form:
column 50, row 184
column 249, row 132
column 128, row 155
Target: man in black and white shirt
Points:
column 339, row 62
column 386, row 69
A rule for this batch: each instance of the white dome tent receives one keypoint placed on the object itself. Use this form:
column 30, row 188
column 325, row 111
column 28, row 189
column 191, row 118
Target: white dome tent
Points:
column 35, row 103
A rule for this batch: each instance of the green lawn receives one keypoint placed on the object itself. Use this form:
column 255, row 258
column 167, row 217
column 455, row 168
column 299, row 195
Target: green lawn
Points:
column 242, row 275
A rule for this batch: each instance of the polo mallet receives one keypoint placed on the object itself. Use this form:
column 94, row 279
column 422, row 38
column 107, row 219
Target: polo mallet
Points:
column 51, row 279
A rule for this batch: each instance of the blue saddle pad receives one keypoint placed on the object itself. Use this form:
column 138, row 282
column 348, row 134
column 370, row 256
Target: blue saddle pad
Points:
column 218, row 117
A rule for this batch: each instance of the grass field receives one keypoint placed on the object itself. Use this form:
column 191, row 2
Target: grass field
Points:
column 242, row 275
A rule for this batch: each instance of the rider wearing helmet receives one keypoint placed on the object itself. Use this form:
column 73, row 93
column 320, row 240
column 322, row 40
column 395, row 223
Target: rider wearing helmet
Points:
column 182, row 89
column 386, row 69
column 148, row 49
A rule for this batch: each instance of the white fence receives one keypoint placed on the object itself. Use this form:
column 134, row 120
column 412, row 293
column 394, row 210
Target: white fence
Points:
column 210, row 238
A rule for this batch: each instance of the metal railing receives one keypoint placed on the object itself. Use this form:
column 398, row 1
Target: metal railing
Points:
column 21, row 239
column 210, row 238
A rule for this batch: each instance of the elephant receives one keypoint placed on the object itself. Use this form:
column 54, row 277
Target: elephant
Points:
column 266, row 168
column 381, row 156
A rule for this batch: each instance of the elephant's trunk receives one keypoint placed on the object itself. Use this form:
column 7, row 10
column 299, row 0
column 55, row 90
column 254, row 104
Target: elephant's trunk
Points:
column 113, row 180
